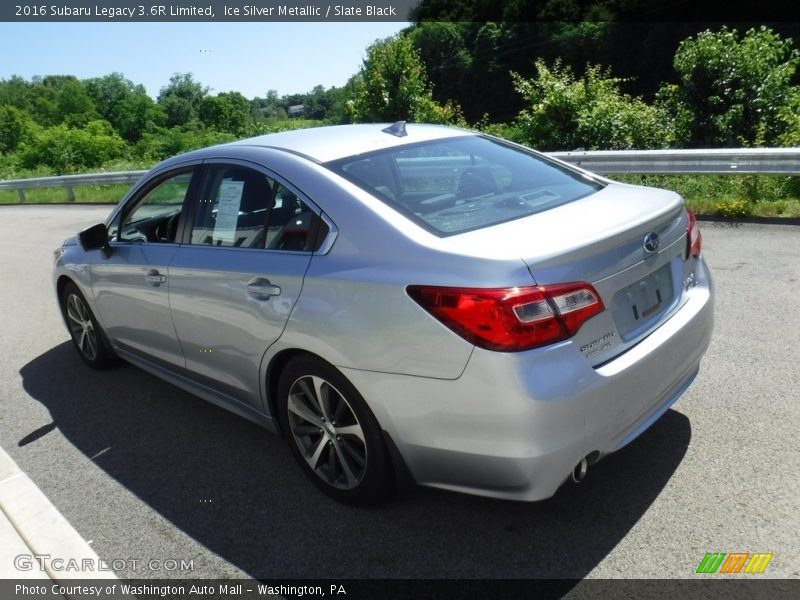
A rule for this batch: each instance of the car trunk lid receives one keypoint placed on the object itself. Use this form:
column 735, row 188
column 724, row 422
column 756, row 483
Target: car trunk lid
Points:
column 600, row 239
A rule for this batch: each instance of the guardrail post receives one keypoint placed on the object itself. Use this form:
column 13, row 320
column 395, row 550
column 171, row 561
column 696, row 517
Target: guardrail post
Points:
column 21, row 195
column 70, row 194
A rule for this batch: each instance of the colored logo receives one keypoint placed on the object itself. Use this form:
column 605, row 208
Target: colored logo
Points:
column 734, row 562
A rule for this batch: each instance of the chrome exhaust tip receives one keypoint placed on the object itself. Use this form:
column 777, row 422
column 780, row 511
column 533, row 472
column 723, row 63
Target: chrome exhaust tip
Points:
column 579, row 472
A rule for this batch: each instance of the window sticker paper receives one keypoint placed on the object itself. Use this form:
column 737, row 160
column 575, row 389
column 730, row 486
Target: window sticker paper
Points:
column 229, row 198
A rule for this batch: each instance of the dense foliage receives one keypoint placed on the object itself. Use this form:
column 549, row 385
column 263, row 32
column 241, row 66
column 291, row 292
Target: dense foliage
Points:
column 565, row 112
column 60, row 124
column 487, row 39
column 392, row 85
column 554, row 75
column 732, row 90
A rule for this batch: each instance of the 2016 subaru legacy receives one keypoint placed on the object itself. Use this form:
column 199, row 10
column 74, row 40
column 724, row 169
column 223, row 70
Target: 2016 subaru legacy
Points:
column 404, row 300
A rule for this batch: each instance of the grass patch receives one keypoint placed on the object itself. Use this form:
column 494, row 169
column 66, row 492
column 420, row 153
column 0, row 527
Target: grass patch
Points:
column 730, row 196
column 101, row 194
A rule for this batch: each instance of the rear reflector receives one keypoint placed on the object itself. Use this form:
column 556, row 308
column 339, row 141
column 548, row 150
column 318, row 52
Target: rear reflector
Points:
column 694, row 241
column 511, row 319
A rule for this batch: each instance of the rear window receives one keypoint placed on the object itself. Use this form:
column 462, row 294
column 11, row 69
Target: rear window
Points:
column 455, row 185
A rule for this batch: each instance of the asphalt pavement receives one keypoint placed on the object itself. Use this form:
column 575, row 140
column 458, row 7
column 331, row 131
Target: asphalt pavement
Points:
column 161, row 484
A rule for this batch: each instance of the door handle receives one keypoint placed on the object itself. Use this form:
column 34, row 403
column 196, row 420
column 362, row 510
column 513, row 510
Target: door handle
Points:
column 262, row 288
column 154, row 278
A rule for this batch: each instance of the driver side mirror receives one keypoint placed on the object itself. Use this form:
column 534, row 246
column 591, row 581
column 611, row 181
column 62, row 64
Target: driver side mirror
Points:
column 95, row 238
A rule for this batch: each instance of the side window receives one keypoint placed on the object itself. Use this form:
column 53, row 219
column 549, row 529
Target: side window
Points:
column 155, row 216
column 233, row 208
column 293, row 225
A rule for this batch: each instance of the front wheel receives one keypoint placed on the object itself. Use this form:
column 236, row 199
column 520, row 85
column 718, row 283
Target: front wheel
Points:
column 332, row 433
column 87, row 335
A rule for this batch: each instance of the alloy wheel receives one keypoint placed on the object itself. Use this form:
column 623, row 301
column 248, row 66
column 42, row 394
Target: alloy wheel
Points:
column 327, row 432
column 81, row 326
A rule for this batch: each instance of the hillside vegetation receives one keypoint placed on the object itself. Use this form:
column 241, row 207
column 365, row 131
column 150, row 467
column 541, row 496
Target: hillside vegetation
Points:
column 553, row 85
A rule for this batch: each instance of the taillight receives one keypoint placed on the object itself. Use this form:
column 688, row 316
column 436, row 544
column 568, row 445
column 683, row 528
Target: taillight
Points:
column 511, row 319
column 694, row 240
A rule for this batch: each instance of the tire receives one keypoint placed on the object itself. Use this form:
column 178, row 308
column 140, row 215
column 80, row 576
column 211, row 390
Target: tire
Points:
column 337, row 441
column 87, row 335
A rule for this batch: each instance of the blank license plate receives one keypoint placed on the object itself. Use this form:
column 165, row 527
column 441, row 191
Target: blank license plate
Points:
column 643, row 300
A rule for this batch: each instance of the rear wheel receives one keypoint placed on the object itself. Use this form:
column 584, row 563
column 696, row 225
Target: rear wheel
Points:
column 87, row 335
column 332, row 433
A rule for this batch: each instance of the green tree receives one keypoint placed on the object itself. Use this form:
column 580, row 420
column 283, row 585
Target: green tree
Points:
column 443, row 51
column 125, row 105
column 66, row 149
column 732, row 89
column 75, row 106
column 17, row 92
column 323, row 104
column 162, row 143
column 181, row 99
column 489, row 77
column 14, row 125
column 228, row 111
column 392, row 85
column 109, row 91
column 267, row 109
column 335, row 104
column 563, row 112
column 44, row 92
column 790, row 117
column 137, row 114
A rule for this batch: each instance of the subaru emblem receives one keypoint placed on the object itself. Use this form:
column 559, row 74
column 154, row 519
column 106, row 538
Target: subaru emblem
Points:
column 651, row 242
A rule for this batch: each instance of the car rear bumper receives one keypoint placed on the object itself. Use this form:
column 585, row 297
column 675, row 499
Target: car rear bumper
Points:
column 514, row 425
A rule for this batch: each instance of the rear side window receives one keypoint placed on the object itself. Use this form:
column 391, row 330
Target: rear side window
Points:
column 461, row 184
column 244, row 208
column 292, row 224
column 233, row 208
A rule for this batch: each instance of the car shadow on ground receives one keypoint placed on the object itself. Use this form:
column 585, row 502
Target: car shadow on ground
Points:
column 235, row 489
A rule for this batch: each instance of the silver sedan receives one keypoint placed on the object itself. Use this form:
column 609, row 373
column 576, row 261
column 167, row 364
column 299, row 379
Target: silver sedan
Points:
column 404, row 302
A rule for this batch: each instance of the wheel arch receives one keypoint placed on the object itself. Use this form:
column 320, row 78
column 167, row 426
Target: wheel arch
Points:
column 402, row 476
column 61, row 283
column 276, row 366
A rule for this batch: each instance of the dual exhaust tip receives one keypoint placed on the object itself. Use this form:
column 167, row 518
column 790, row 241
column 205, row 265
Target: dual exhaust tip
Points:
column 579, row 472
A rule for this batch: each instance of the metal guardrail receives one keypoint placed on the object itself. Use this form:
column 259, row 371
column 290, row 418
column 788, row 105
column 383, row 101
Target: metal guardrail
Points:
column 70, row 181
column 725, row 161
column 736, row 161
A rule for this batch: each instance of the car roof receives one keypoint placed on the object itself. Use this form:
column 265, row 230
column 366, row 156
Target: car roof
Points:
column 324, row 144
